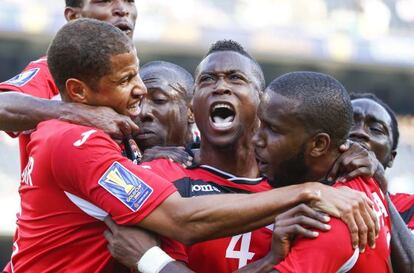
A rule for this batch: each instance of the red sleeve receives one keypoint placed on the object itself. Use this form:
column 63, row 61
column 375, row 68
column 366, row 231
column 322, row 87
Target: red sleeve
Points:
column 96, row 171
column 7, row 269
column 175, row 249
column 327, row 253
column 35, row 80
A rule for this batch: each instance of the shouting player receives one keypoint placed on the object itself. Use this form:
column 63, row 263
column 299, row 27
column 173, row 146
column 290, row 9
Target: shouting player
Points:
column 81, row 173
column 227, row 88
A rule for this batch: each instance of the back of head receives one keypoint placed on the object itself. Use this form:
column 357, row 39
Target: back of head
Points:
column 233, row 46
column 173, row 73
column 323, row 102
column 74, row 3
column 82, row 49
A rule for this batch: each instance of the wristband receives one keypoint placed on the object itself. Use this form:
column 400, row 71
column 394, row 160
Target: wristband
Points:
column 153, row 260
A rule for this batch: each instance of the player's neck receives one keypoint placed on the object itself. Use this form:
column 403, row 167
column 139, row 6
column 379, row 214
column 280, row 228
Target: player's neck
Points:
column 321, row 166
column 238, row 160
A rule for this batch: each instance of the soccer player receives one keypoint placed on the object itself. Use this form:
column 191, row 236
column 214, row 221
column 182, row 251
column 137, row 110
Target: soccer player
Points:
column 227, row 90
column 32, row 96
column 304, row 117
column 376, row 128
column 82, row 175
column 166, row 118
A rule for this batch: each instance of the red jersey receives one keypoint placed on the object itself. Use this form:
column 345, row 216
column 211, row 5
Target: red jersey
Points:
column 75, row 176
column 332, row 251
column 224, row 254
column 404, row 203
column 35, row 80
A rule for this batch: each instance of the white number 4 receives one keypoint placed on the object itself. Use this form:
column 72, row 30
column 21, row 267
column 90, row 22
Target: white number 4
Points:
column 243, row 254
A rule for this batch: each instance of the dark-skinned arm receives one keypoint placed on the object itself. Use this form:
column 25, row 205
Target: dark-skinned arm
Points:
column 20, row 112
column 190, row 220
column 402, row 242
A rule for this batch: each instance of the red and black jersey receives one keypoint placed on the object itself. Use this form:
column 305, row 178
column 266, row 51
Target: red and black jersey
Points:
column 404, row 203
column 220, row 255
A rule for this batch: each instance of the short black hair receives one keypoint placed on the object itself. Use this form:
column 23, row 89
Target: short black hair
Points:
column 175, row 72
column 82, row 49
column 394, row 121
column 230, row 45
column 323, row 105
column 74, row 3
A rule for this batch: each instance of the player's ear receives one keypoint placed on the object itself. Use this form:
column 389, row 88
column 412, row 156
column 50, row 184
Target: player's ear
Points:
column 72, row 13
column 319, row 144
column 76, row 90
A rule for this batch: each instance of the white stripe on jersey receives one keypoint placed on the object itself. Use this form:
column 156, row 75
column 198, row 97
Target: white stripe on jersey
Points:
column 87, row 207
column 350, row 263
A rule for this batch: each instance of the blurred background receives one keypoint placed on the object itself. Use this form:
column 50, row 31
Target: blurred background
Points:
column 367, row 44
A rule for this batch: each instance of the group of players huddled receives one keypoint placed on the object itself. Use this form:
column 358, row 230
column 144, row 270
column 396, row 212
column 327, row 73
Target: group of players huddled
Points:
column 283, row 178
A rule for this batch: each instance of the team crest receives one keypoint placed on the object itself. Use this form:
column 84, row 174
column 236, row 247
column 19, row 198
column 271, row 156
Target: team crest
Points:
column 23, row 77
column 126, row 186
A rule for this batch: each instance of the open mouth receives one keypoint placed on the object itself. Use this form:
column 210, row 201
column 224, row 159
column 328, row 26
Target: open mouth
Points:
column 222, row 115
column 125, row 27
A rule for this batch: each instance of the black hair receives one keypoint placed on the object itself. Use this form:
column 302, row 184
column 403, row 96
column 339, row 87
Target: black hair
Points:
column 394, row 121
column 230, row 45
column 176, row 72
column 323, row 102
column 74, row 3
column 82, row 49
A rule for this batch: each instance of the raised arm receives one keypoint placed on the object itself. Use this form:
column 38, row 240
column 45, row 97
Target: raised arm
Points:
column 20, row 112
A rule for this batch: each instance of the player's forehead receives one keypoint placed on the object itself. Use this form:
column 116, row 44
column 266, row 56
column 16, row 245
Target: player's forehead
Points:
column 225, row 62
column 165, row 81
column 371, row 109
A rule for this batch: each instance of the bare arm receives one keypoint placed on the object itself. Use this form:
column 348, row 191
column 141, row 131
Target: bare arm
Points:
column 402, row 242
column 20, row 112
column 191, row 220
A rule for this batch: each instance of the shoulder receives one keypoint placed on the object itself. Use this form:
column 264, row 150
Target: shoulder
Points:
column 72, row 136
column 320, row 254
column 35, row 80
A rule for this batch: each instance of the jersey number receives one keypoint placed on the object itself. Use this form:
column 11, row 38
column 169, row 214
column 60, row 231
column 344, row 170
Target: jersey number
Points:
column 243, row 254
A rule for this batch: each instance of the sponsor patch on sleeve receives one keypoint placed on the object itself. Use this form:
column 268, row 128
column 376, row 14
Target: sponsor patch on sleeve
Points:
column 132, row 191
column 23, row 77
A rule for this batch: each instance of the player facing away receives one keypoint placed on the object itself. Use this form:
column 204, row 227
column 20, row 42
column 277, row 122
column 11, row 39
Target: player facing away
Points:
column 228, row 86
column 76, row 175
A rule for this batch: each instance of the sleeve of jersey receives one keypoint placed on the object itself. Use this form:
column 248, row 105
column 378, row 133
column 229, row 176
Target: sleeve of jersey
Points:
column 89, row 165
column 331, row 252
column 175, row 249
column 35, row 80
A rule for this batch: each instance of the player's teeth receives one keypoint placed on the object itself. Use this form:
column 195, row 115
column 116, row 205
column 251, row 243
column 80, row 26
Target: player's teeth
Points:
column 222, row 125
column 219, row 120
column 221, row 105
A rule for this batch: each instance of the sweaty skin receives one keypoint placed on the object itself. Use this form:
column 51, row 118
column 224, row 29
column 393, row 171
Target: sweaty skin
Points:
column 165, row 118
